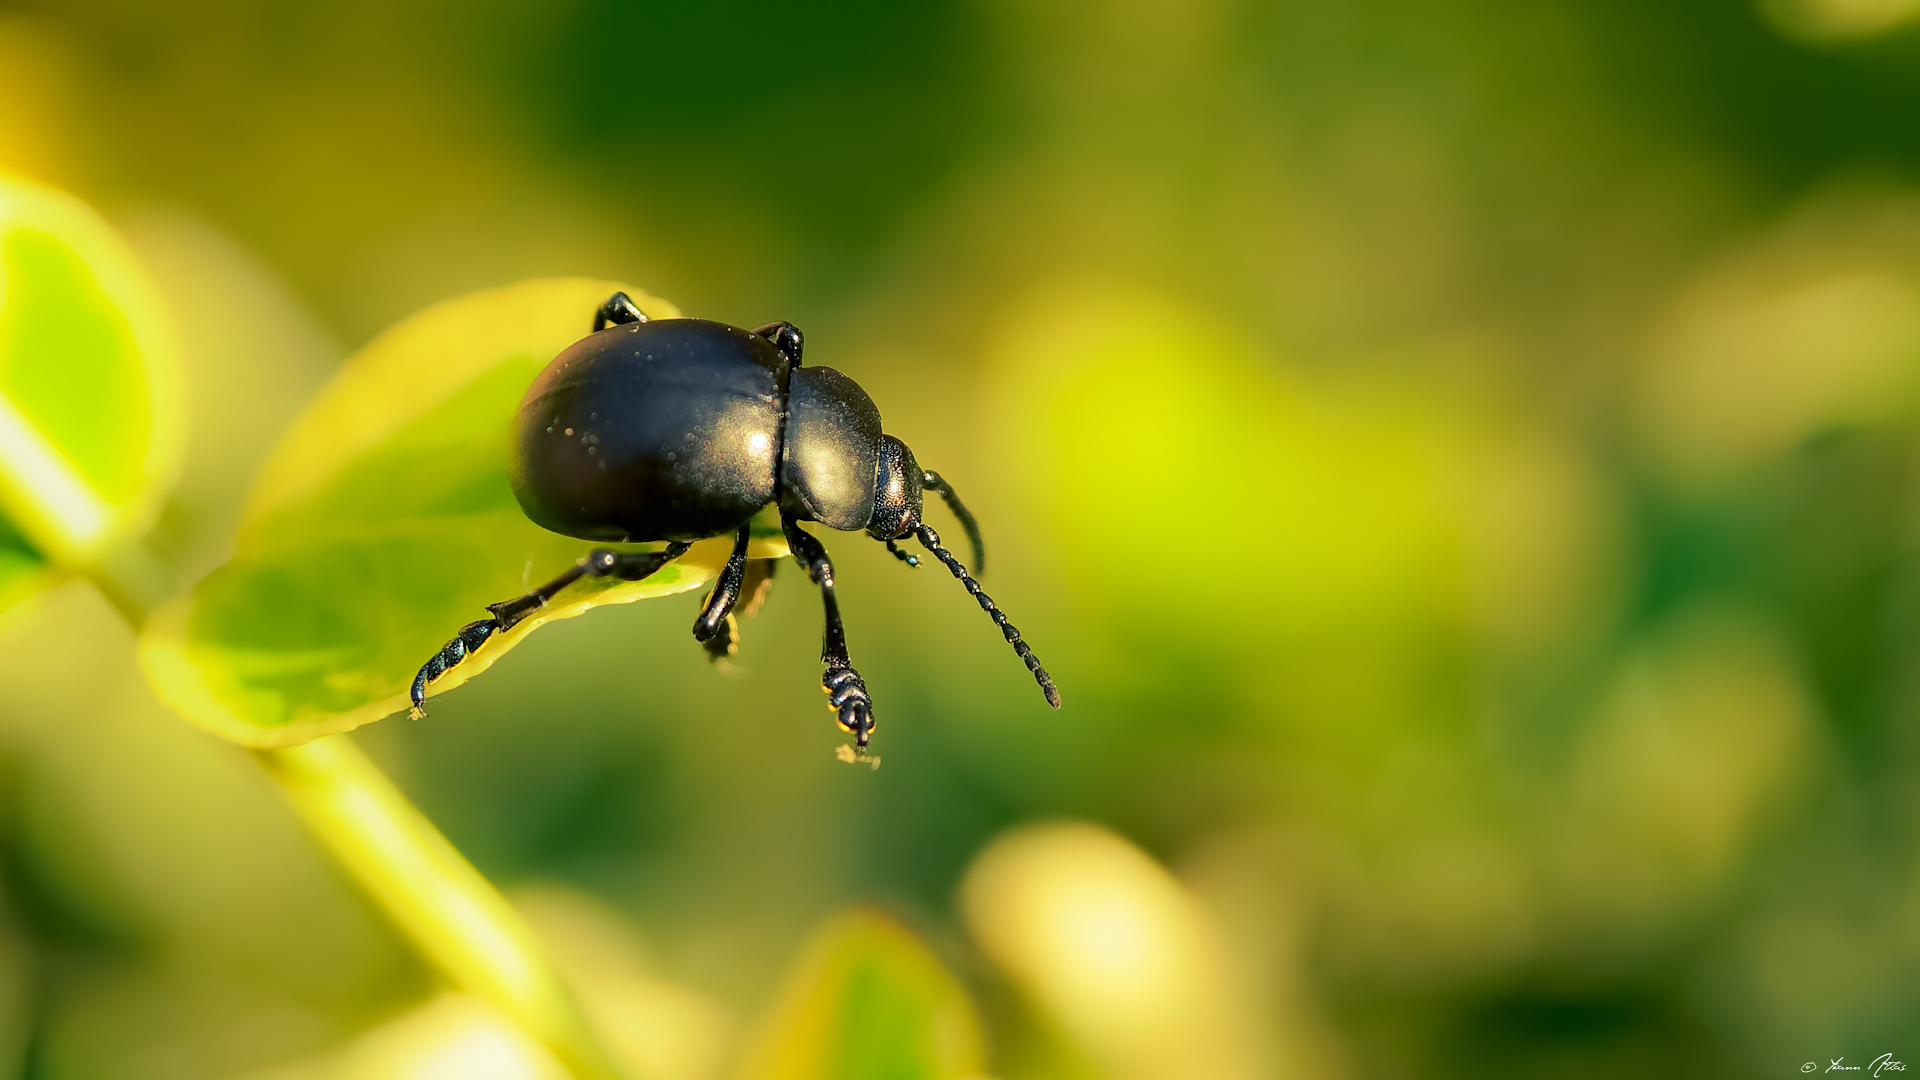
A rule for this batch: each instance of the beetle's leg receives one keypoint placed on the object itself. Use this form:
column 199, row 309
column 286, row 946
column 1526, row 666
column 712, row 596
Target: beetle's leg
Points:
column 910, row 560
column 785, row 337
column 601, row 562
column 470, row 637
column 847, row 692
column 931, row 541
column 935, row 482
column 475, row 634
column 753, row 592
column 759, row 583
column 726, row 589
column 618, row 310
column 633, row 565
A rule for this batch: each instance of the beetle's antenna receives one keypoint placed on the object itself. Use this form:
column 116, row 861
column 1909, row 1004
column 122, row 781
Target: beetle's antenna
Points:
column 931, row 541
column 934, row 480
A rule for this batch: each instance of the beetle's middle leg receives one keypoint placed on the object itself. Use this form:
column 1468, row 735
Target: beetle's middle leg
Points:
column 726, row 589
column 847, row 692
column 601, row 562
column 756, row 583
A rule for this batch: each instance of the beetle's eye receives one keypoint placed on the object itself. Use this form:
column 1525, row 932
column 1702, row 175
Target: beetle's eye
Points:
column 897, row 492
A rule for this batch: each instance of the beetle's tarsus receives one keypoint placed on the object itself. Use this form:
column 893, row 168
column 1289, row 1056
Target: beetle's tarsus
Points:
column 471, row 637
column 852, row 706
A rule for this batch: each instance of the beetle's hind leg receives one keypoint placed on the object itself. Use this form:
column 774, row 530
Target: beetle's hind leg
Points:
column 847, row 692
column 618, row 310
column 786, row 337
column 601, row 562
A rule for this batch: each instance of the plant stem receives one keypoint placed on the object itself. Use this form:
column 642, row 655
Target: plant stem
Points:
column 452, row 913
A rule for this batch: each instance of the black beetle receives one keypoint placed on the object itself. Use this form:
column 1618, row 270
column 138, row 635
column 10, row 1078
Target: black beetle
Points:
column 681, row 429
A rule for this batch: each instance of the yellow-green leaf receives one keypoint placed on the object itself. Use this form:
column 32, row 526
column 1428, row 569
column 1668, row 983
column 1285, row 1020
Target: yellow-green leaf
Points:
column 383, row 522
column 868, row 1001
column 92, row 403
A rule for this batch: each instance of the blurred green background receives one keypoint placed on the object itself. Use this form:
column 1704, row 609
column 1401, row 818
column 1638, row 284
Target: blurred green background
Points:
column 1458, row 459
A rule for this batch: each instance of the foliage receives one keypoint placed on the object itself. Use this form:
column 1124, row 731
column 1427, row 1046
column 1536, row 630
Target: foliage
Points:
column 868, row 1001
column 91, row 413
column 1458, row 458
column 383, row 515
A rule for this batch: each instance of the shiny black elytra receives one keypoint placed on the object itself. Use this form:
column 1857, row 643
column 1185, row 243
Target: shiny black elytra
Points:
column 681, row 429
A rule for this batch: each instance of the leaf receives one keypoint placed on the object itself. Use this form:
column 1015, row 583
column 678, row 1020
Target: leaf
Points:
column 1121, row 959
column 383, row 522
column 869, row 1001
column 92, row 403
column 451, row 1035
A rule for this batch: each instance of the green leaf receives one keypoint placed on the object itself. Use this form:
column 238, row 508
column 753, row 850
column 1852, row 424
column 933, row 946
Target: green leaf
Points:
column 23, row 570
column 92, row 408
column 383, row 522
column 869, row 1001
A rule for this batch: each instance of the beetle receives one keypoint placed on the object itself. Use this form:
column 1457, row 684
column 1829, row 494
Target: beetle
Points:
column 681, row 429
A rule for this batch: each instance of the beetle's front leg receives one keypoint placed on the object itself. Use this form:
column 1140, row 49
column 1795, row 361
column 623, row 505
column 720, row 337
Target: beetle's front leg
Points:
column 847, row 692
column 601, row 562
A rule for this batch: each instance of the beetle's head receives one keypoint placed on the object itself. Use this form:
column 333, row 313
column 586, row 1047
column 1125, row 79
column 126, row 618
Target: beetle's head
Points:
column 897, row 494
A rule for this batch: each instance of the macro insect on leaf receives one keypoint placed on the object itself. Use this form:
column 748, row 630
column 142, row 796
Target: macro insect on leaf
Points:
column 678, row 430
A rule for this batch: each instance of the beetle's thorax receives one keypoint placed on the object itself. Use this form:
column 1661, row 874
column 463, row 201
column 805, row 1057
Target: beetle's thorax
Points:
column 830, row 450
